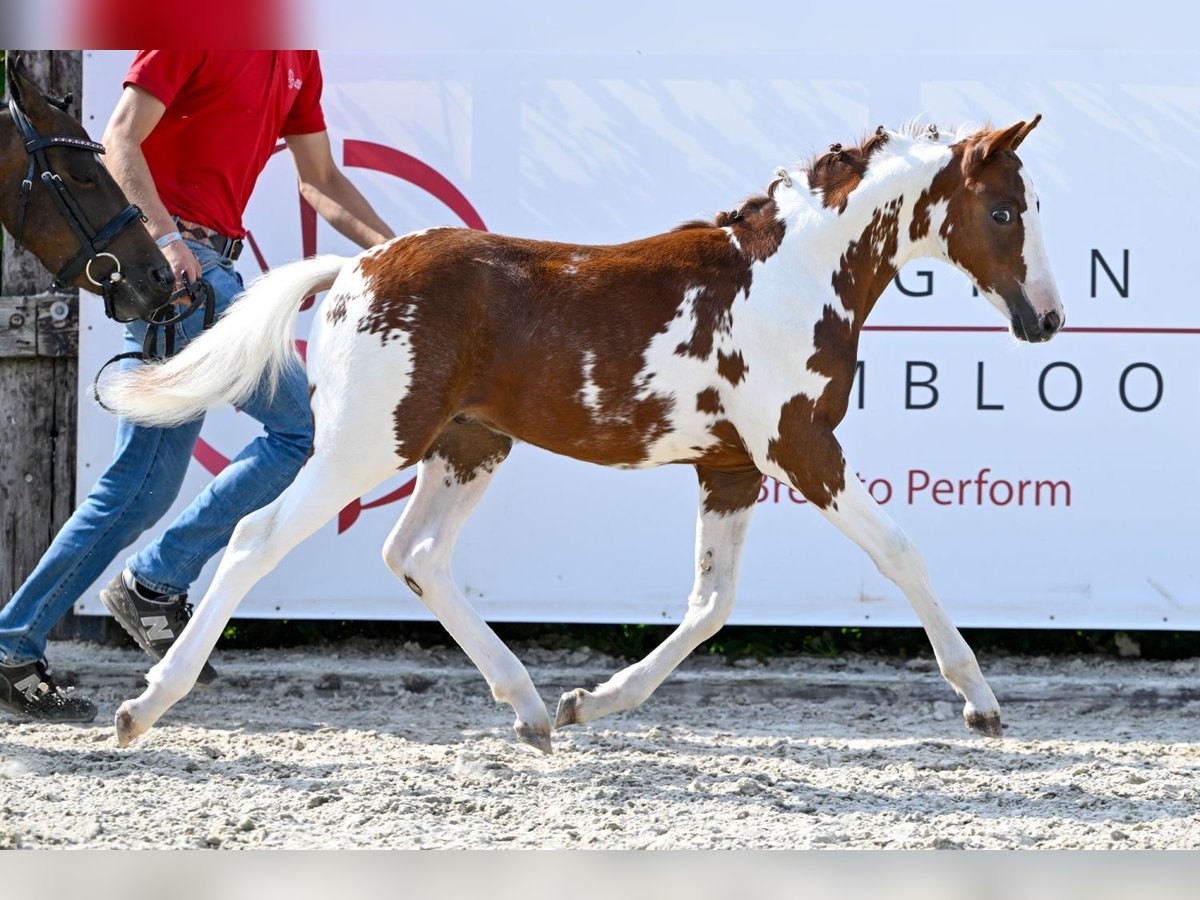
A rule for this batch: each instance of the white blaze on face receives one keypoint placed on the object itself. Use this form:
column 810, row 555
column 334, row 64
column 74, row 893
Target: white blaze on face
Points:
column 1039, row 285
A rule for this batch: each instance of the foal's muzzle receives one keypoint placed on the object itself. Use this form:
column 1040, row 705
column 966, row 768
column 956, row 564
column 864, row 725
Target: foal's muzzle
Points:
column 1036, row 329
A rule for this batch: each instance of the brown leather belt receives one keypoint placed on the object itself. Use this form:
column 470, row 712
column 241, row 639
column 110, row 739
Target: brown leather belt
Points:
column 229, row 248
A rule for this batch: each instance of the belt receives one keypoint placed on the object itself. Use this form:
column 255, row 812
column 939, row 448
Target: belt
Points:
column 227, row 247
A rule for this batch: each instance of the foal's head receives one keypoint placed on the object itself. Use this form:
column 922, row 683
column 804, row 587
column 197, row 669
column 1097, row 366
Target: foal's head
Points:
column 992, row 231
column 145, row 281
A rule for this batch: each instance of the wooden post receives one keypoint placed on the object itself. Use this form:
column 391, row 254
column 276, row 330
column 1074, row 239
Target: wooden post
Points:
column 39, row 350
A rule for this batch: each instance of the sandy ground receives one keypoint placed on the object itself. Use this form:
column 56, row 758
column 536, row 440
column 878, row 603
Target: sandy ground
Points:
column 388, row 746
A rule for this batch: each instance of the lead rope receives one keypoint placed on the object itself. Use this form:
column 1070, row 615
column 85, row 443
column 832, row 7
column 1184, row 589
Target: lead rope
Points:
column 201, row 294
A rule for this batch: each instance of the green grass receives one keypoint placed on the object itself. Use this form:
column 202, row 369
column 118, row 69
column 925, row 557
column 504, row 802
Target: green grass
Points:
column 733, row 642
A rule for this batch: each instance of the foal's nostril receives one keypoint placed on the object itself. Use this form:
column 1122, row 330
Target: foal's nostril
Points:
column 163, row 276
column 1051, row 323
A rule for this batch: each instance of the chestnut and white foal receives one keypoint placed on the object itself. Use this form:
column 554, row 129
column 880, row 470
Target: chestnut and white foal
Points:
column 728, row 345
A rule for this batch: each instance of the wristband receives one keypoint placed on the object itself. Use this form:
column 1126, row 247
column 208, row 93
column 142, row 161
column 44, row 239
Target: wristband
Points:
column 168, row 238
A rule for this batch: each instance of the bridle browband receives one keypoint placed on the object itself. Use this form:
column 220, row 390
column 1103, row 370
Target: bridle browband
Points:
column 93, row 245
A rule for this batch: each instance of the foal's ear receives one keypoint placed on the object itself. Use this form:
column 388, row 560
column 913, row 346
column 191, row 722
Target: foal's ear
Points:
column 985, row 146
column 1026, row 127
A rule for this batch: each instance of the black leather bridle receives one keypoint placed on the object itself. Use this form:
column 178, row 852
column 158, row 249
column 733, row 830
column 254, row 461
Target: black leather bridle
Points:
column 93, row 244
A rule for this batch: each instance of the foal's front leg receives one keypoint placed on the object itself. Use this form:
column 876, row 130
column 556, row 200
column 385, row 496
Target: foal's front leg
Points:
column 837, row 491
column 451, row 481
column 725, row 504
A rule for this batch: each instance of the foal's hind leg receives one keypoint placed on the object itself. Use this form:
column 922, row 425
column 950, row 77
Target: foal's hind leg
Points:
column 451, row 481
column 726, row 501
column 259, row 542
column 856, row 514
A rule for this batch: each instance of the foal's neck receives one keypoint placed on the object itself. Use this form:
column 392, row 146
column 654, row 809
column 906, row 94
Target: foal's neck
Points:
column 859, row 250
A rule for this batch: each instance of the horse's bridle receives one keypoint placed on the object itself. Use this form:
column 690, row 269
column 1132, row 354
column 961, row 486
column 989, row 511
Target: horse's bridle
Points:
column 93, row 245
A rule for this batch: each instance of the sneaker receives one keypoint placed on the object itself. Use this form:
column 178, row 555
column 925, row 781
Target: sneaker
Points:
column 28, row 690
column 154, row 624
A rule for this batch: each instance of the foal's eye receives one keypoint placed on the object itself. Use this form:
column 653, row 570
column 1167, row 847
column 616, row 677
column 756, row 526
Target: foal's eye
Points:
column 1002, row 216
column 79, row 178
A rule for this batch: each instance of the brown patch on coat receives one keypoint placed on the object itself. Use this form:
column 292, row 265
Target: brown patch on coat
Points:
column 867, row 264
column 758, row 233
column 709, row 401
column 731, row 366
column 755, row 224
column 835, row 175
column 499, row 328
column 728, row 492
column 469, row 447
column 336, row 309
column 808, row 452
column 726, row 471
column 712, row 311
column 806, row 448
column 757, row 227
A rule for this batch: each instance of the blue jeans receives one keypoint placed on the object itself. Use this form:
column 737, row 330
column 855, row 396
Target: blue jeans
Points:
column 143, row 481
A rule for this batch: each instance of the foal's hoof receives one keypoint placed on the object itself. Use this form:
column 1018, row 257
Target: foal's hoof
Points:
column 568, row 708
column 534, row 736
column 986, row 724
column 127, row 730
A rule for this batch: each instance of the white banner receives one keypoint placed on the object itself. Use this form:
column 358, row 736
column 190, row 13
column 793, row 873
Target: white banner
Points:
column 1046, row 485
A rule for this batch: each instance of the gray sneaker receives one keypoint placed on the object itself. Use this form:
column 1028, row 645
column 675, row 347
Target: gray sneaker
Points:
column 28, row 690
column 154, row 624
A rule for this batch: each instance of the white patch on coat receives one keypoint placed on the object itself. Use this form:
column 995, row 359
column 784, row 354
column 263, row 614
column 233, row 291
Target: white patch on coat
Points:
column 589, row 394
column 678, row 378
column 357, row 372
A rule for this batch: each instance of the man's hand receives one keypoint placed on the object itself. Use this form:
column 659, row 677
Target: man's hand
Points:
column 183, row 262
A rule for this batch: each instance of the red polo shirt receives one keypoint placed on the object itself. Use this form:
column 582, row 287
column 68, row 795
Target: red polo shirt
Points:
column 226, row 110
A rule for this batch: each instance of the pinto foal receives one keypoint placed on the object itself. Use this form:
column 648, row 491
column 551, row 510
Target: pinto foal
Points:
column 728, row 345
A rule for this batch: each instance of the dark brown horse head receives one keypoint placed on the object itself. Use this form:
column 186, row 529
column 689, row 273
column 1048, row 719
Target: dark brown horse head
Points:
column 992, row 231
column 144, row 282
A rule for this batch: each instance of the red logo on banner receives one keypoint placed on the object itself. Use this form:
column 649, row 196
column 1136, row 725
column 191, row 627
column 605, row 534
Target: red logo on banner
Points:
column 378, row 158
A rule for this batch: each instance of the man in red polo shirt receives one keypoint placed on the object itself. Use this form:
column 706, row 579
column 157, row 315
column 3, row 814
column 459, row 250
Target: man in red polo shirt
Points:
column 187, row 142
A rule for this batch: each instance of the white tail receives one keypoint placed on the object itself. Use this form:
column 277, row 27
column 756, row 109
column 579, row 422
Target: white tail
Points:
column 256, row 335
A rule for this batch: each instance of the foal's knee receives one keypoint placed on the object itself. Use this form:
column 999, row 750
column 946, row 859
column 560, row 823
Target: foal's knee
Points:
column 251, row 538
column 709, row 611
column 414, row 562
column 898, row 557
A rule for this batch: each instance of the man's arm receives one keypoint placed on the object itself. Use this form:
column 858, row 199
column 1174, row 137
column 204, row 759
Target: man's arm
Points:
column 137, row 112
column 331, row 194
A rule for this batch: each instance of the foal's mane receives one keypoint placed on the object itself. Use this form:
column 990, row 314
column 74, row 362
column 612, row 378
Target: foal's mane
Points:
column 832, row 175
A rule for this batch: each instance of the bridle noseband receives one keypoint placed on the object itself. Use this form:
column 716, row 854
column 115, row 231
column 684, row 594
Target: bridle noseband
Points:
column 93, row 245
